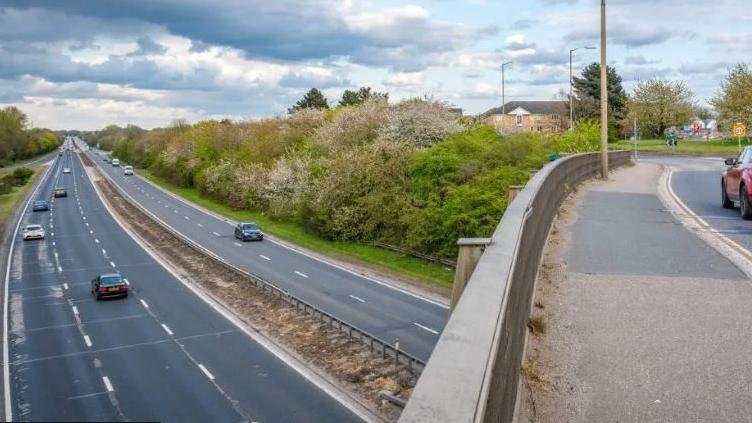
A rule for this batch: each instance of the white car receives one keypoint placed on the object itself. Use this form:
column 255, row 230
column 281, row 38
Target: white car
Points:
column 116, row 162
column 66, row 170
column 128, row 170
column 33, row 231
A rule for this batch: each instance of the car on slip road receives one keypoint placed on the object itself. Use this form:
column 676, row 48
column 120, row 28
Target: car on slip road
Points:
column 66, row 170
column 736, row 183
column 116, row 162
column 33, row 231
column 248, row 231
column 60, row 192
column 40, row 205
column 128, row 170
column 109, row 285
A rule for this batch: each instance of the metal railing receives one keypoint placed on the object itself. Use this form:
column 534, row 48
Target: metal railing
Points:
column 376, row 344
column 426, row 257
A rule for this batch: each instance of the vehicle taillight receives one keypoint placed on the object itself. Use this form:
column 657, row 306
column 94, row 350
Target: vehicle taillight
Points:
column 101, row 289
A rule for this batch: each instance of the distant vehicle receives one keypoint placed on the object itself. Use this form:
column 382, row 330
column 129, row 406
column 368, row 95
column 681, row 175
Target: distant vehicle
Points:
column 40, row 205
column 60, row 153
column 33, row 231
column 248, row 231
column 60, row 192
column 736, row 183
column 106, row 159
column 66, row 170
column 128, row 170
column 116, row 162
column 109, row 285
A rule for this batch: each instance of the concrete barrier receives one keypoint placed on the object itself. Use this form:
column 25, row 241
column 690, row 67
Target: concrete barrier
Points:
column 473, row 374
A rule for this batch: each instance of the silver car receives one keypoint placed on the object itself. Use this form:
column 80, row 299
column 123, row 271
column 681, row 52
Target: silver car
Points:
column 33, row 231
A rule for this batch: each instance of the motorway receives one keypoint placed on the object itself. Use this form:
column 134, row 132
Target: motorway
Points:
column 373, row 306
column 162, row 354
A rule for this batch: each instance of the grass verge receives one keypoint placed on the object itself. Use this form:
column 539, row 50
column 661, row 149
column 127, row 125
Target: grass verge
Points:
column 11, row 200
column 723, row 148
column 412, row 267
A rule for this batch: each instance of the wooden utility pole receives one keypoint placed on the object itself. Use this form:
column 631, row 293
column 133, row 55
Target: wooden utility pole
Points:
column 604, row 95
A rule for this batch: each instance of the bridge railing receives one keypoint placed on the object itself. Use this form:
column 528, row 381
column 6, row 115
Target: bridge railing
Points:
column 473, row 374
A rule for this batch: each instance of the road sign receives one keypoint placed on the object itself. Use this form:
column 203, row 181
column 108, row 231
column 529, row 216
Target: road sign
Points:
column 740, row 130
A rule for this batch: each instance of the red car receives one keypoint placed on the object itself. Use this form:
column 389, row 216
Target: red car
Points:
column 109, row 285
column 736, row 183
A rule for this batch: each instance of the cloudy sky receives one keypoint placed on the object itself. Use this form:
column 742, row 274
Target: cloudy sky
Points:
column 85, row 64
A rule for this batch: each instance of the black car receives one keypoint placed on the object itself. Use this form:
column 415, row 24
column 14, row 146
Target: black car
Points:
column 109, row 285
column 60, row 192
column 248, row 231
column 40, row 205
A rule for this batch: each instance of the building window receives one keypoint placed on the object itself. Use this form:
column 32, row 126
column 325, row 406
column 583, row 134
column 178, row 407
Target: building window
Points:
column 555, row 117
column 519, row 120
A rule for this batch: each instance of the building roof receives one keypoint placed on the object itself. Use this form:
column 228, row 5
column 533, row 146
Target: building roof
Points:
column 534, row 107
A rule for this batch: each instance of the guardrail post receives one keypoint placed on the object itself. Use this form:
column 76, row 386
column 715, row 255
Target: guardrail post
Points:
column 470, row 251
column 513, row 191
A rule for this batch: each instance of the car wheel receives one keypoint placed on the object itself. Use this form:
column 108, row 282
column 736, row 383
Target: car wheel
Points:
column 725, row 200
column 744, row 207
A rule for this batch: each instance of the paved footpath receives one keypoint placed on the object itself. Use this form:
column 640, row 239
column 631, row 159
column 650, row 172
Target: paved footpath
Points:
column 645, row 322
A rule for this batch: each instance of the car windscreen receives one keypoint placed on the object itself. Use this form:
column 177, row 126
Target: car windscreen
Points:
column 249, row 227
column 111, row 280
column 33, row 228
column 40, row 203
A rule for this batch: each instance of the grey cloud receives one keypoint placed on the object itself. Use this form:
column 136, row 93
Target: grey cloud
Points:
column 523, row 24
column 639, row 60
column 303, row 80
column 626, row 35
column 147, row 46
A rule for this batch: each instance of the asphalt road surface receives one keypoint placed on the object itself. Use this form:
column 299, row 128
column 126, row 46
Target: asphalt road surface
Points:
column 369, row 305
column 160, row 354
column 697, row 182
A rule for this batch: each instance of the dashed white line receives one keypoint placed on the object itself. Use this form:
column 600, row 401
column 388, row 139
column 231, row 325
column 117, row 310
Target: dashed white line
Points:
column 112, row 264
column 356, row 298
column 59, row 269
column 216, row 234
column 187, row 218
column 176, row 211
column 164, row 326
column 96, row 240
column 238, row 244
column 264, row 257
column 65, row 286
column 75, row 310
column 87, row 340
column 144, row 304
column 91, row 232
column 301, row 274
column 426, row 328
column 107, row 384
column 206, row 372
column 199, row 225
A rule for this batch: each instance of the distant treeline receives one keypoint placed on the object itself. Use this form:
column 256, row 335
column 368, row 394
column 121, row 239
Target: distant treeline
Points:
column 18, row 142
column 411, row 174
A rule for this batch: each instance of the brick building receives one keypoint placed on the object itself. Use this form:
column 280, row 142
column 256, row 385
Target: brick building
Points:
column 530, row 116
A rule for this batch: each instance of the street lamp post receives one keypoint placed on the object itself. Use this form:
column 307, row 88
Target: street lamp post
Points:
column 604, row 95
column 503, row 99
column 571, row 83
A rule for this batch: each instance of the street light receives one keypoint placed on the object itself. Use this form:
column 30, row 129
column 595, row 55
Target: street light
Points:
column 503, row 100
column 604, row 95
column 571, row 82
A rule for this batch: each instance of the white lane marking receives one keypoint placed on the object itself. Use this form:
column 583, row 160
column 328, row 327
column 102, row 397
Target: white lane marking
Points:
column 187, row 218
column 301, row 274
column 112, row 264
column 176, row 211
column 75, row 310
column 59, row 269
column 96, row 240
column 356, row 298
column 206, row 372
column 238, row 244
column 164, row 326
column 144, row 304
column 264, row 257
column 426, row 328
column 52, row 233
column 87, row 340
column 91, row 232
column 51, row 226
column 216, row 234
column 53, row 243
column 107, row 384
column 199, row 225
column 167, row 205
column 104, row 251
column 65, row 286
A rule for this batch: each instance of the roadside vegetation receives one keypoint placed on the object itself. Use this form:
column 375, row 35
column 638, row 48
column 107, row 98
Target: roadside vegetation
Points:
column 719, row 148
column 410, row 174
column 18, row 141
column 13, row 188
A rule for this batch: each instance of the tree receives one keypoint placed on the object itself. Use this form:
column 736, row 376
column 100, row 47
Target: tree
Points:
column 352, row 98
column 587, row 91
column 734, row 101
column 660, row 104
column 313, row 99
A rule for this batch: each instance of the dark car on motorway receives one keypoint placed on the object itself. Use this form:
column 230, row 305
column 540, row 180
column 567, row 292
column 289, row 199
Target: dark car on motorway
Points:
column 109, row 285
column 248, row 231
column 736, row 183
column 60, row 192
column 40, row 205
